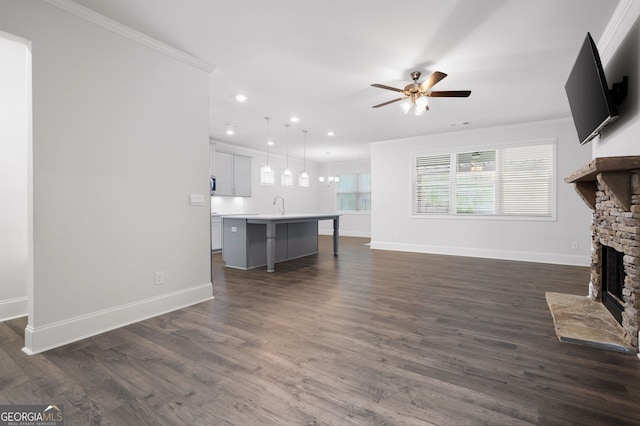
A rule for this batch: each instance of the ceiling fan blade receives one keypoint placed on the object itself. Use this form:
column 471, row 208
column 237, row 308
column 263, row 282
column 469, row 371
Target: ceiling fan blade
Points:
column 382, row 86
column 432, row 80
column 389, row 102
column 450, row 94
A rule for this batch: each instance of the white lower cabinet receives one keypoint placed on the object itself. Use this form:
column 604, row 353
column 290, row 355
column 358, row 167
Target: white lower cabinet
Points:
column 216, row 233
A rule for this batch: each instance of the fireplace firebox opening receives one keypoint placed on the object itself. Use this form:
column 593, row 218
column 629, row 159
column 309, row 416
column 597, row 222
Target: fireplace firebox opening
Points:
column 613, row 276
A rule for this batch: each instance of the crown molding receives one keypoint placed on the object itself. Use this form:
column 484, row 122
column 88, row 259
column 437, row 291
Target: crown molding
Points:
column 120, row 29
column 615, row 23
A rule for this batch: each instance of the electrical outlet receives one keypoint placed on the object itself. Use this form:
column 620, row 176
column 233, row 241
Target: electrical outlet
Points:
column 574, row 244
column 159, row 278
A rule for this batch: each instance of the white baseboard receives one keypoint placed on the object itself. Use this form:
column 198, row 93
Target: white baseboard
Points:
column 40, row 339
column 13, row 308
column 521, row 256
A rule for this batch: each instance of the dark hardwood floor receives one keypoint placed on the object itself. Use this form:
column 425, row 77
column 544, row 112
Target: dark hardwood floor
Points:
column 369, row 337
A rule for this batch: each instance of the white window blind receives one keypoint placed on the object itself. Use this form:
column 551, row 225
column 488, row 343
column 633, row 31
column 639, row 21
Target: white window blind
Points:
column 476, row 182
column 512, row 181
column 527, row 180
column 432, row 184
column 353, row 192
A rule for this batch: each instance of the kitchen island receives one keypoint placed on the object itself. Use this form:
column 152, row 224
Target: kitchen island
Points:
column 254, row 240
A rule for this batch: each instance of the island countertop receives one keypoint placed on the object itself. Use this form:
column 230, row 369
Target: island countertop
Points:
column 279, row 216
column 249, row 240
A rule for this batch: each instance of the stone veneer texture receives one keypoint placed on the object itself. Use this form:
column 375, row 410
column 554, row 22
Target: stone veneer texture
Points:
column 614, row 227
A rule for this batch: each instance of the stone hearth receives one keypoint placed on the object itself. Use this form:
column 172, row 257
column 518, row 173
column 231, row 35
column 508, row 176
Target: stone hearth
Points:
column 611, row 187
column 578, row 319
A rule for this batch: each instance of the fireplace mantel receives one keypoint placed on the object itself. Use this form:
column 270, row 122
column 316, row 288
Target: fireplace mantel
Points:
column 613, row 172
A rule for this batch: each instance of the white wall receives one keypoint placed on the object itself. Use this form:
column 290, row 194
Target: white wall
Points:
column 120, row 140
column 393, row 228
column 15, row 110
column 620, row 55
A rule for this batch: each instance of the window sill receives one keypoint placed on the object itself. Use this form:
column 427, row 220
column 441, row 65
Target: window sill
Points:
column 485, row 217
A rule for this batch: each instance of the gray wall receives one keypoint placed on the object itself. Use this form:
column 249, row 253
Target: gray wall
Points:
column 120, row 140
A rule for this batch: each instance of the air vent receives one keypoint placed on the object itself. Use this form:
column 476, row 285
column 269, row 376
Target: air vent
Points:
column 462, row 123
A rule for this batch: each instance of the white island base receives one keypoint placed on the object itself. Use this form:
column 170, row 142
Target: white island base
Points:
column 251, row 241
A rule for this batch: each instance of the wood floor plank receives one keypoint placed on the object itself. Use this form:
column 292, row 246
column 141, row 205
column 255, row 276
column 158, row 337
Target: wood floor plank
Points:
column 369, row 337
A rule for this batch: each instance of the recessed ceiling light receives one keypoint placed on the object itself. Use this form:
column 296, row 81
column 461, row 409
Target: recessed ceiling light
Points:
column 241, row 98
column 230, row 131
column 270, row 143
column 330, row 133
column 294, row 119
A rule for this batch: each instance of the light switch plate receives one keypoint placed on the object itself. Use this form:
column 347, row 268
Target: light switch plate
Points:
column 196, row 199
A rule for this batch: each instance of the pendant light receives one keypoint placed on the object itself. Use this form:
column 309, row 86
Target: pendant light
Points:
column 287, row 171
column 267, row 167
column 303, row 177
column 304, row 173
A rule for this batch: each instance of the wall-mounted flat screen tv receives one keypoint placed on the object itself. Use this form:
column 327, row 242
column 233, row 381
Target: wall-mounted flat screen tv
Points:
column 591, row 102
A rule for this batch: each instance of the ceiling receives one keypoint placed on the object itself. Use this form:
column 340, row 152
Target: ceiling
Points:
column 317, row 60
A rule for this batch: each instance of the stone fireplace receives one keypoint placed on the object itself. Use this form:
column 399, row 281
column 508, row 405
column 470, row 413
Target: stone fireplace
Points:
column 611, row 188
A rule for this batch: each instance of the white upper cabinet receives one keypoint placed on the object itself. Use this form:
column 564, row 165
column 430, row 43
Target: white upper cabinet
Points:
column 242, row 176
column 212, row 158
column 224, row 173
column 233, row 175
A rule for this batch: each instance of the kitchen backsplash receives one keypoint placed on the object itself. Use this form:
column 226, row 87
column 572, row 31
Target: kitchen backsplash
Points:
column 227, row 205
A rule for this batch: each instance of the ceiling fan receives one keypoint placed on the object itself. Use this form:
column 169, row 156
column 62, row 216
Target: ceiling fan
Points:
column 419, row 92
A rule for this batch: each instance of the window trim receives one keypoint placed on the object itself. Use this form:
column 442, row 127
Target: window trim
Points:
column 486, row 147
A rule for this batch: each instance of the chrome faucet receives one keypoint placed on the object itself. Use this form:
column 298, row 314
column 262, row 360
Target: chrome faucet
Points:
column 274, row 203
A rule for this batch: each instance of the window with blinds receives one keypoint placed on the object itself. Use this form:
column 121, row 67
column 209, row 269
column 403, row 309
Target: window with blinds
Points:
column 432, row 184
column 353, row 192
column 527, row 177
column 476, row 182
column 512, row 181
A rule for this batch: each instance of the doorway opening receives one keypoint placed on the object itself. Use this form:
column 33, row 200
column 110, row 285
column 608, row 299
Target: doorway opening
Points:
column 16, row 178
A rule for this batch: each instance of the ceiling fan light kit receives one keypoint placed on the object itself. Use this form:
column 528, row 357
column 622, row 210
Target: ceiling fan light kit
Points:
column 418, row 93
